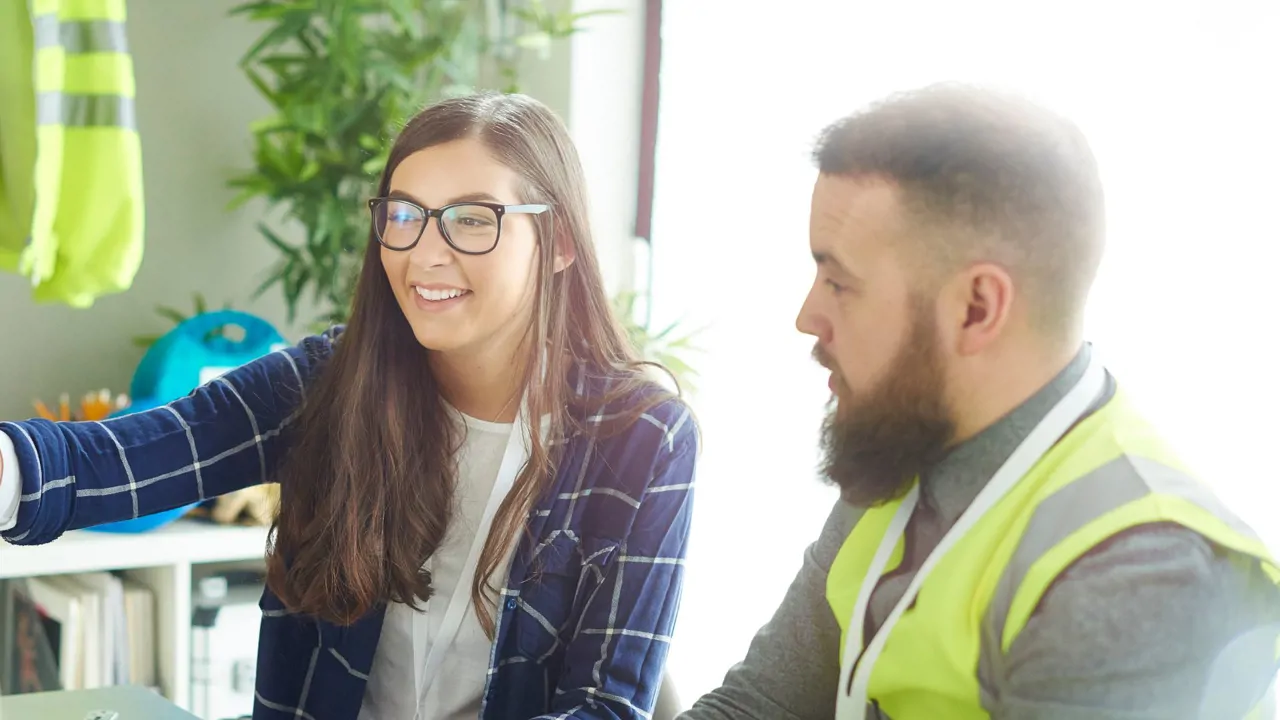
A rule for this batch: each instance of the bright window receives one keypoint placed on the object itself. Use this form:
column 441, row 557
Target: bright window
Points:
column 1178, row 99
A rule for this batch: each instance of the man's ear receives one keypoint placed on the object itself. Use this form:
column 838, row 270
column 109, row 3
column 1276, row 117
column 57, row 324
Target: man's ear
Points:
column 565, row 253
column 979, row 302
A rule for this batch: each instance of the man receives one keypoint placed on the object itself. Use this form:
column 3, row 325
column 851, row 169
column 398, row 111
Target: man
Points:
column 957, row 232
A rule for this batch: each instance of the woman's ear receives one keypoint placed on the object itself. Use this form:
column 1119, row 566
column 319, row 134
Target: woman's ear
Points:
column 565, row 253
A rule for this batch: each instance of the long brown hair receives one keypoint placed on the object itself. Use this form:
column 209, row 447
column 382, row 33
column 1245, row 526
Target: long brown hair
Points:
column 367, row 487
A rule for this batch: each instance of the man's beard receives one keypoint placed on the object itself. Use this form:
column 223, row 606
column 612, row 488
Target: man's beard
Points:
column 874, row 446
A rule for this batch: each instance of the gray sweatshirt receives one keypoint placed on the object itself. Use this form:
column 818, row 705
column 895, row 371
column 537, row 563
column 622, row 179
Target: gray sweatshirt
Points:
column 1156, row 624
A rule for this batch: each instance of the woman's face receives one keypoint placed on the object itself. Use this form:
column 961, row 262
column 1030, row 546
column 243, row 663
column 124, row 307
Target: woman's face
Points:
column 458, row 302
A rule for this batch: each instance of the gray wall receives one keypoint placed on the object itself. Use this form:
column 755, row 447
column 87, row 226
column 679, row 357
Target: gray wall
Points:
column 194, row 108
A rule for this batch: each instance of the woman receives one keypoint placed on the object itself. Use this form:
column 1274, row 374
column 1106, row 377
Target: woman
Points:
column 437, row 554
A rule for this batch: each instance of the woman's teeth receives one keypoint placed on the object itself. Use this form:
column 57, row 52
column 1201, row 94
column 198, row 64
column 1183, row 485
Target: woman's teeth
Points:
column 438, row 295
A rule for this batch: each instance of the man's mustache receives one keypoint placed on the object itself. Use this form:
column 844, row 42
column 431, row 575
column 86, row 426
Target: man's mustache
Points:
column 821, row 357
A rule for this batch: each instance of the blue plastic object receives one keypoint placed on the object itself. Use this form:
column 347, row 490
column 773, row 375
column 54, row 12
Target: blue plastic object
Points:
column 185, row 358
column 193, row 352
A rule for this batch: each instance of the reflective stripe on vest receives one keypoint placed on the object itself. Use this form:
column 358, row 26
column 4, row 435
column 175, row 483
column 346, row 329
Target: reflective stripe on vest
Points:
column 79, row 36
column 1099, row 497
column 1110, row 473
column 84, row 37
column 54, row 108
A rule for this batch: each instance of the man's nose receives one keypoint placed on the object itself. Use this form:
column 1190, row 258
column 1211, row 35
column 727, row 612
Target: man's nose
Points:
column 810, row 322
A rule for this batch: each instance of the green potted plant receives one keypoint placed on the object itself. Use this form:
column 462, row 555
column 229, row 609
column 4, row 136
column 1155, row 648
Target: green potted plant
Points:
column 670, row 347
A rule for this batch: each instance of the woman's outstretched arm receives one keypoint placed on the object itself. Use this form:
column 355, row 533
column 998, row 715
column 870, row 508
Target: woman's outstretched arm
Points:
column 224, row 436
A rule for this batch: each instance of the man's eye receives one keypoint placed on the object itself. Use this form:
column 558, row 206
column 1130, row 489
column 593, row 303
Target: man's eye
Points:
column 835, row 286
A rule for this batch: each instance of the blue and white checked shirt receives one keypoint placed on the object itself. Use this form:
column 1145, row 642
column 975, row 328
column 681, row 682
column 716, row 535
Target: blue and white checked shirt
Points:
column 588, row 638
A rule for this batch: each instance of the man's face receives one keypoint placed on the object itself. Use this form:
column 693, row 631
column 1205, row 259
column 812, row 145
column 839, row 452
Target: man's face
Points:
column 877, row 334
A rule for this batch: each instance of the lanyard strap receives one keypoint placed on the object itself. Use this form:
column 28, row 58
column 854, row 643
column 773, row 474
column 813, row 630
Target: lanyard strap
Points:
column 513, row 459
column 855, row 673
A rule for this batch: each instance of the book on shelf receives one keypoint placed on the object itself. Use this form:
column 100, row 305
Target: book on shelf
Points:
column 73, row 632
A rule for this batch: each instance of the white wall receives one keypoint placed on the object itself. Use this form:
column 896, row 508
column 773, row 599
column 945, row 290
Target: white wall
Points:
column 194, row 108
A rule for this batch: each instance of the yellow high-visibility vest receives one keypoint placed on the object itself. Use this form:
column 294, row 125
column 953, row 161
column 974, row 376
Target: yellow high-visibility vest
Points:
column 1111, row 472
column 71, row 206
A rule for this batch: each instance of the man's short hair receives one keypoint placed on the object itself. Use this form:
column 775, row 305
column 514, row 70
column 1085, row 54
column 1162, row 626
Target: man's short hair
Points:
column 985, row 176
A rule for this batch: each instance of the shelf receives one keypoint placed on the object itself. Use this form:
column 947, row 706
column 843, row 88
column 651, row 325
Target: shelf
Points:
column 180, row 542
column 161, row 559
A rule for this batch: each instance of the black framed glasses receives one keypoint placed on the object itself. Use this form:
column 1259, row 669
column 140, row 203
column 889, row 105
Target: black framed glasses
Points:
column 471, row 228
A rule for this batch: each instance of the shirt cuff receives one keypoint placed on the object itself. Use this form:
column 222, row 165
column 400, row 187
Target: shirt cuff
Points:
column 10, row 484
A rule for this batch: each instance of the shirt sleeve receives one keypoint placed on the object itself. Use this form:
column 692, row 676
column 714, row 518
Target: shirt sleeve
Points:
column 792, row 669
column 225, row 435
column 10, row 484
column 1158, row 623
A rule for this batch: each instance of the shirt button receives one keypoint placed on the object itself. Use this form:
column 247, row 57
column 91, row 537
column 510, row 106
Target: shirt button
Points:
column 511, row 603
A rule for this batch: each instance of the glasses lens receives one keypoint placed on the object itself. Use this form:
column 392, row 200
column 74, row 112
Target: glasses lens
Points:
column 398, row 223
column 471, row 228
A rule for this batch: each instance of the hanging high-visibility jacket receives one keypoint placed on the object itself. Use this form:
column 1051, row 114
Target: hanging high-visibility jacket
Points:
column 1110, row 472
column 71, row 206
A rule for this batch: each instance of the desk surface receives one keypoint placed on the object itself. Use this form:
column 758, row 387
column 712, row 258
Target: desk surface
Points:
column 128, row 702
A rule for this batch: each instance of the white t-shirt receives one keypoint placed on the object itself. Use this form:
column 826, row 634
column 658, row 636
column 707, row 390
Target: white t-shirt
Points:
column 392, row 692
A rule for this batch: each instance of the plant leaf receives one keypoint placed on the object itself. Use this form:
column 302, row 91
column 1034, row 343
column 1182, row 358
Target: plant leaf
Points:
column 176, row 316
column 291, row 24
column 277, row 241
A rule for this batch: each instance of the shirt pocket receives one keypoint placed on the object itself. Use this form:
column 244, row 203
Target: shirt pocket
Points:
column 563, row 578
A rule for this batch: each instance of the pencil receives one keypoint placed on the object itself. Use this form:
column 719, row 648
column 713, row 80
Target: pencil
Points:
column 44, row 411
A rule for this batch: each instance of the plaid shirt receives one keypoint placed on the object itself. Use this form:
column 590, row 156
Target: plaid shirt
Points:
column 587, row 638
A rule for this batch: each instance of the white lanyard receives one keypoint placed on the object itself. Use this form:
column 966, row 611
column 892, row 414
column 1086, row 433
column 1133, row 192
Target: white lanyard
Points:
column 852, row 705
column 513, row 459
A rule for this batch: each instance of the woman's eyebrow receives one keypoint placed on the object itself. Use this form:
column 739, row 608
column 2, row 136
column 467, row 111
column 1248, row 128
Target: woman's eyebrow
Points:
column 466, row 197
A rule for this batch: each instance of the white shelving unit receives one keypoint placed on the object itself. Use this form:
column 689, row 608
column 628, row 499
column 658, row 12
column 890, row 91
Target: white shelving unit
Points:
column 162, row 559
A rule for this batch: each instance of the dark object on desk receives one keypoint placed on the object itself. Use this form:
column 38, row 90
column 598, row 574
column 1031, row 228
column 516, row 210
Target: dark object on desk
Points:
column 129, row 702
